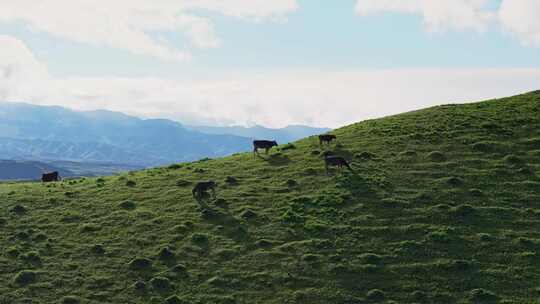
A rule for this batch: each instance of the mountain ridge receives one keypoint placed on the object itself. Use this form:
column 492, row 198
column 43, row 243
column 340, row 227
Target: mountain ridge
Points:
column 53, row 132
column 282, row 135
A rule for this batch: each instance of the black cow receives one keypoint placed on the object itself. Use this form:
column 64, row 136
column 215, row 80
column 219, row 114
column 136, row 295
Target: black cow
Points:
column 50, row 177
column 202, row 187
column 335, row 161
column 263, row 144
column 326, row 138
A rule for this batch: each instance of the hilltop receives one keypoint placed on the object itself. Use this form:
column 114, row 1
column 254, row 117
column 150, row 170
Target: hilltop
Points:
column 443, row 207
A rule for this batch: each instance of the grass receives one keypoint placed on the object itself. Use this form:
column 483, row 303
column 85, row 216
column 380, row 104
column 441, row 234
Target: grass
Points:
column 443, row 207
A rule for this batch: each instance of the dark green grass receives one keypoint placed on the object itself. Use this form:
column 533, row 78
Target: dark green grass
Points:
column 443, row 207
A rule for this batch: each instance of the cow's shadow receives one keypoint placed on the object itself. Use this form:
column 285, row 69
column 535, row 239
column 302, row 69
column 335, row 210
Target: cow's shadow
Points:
column 224, row 222
column 275, row 159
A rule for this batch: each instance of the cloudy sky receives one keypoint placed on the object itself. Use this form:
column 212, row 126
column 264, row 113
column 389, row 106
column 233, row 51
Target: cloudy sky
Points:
column 275, row 63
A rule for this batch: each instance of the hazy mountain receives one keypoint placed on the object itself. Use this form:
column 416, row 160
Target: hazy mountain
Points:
column 283, row 135
column 48, row 133
column 44, row 132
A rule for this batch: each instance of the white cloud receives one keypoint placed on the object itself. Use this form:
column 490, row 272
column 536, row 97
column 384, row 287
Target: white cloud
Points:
column 20, row 71
column 130, row 24
column 323, row 98
column 522, row 17
column 438, row 15
column 519, row 17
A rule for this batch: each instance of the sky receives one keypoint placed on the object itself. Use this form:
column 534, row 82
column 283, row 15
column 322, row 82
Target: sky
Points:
column 273, row 63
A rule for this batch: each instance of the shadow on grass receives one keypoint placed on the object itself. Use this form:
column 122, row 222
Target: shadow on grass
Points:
column 275, row 159
column 225, row 222
column 356, row 184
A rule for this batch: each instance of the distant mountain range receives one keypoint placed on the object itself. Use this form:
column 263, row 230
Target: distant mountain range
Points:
column 50, row 134
column 283, row 135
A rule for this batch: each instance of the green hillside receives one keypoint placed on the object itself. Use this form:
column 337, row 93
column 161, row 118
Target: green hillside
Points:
column 444, row 207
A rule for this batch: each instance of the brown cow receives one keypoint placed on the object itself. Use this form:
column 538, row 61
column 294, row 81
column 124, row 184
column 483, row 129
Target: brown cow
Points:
column 263, row 144
column 202, row 187
column 50, row 177
column 326, row 138
column 335, row 161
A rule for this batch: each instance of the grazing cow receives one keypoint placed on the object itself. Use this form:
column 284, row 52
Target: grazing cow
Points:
column 202, row 187
column 50, row 177
column 326, row 138
column 263, row 144
column 335, row 161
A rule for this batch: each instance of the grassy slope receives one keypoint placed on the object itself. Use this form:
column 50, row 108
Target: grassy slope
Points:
column 444, row 208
